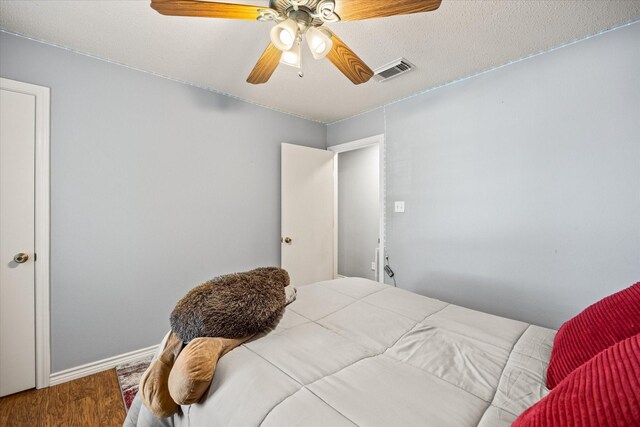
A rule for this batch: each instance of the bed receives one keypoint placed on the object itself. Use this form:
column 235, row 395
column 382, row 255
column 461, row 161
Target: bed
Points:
column 355, row 352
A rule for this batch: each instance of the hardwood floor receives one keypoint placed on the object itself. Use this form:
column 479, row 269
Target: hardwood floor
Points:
column 90, row 401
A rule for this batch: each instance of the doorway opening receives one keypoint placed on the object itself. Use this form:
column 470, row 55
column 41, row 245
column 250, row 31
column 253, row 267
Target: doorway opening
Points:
column 359, row 208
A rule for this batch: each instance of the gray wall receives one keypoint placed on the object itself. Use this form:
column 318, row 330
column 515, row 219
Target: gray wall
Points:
column 156, row 186
column 522, row 185
column 358, row 211
column 357, row 127
column 522, row 188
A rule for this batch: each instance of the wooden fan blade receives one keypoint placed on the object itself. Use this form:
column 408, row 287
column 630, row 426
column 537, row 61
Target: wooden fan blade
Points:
column 266, row 65
column 354, row 10
column 206, row 9
column 348, row 62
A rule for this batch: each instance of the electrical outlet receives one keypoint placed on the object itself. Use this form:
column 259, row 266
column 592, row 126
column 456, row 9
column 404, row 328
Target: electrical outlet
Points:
column 399, row 207
column 373, row 266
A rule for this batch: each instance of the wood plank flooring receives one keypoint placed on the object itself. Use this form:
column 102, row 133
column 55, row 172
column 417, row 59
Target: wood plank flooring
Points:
column 90, row 401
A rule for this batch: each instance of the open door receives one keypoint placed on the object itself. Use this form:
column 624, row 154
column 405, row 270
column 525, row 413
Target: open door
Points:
column 307, row 214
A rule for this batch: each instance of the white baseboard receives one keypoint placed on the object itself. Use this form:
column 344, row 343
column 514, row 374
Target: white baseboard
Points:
column 100, row 365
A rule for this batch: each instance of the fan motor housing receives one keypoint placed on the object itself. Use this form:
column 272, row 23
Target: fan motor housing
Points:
column 309, row 7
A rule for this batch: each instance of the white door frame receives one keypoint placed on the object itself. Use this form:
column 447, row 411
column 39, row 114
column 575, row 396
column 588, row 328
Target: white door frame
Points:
column 350, row 146
column 42, row 224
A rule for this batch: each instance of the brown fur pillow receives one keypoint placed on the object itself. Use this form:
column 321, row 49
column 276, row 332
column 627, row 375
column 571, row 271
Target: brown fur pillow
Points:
column 213, row 318
column 232, row 306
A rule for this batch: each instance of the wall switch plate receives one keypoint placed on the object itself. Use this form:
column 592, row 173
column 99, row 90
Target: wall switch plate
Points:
column 399, row 207
column 373, row 266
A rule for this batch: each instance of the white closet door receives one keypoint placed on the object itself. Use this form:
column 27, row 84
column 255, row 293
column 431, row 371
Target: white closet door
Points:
column 17, row 292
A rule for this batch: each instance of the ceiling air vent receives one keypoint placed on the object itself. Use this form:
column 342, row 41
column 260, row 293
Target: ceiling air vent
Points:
column 392, row 69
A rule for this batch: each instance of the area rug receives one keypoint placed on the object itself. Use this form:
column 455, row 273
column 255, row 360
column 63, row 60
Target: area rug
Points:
column 129, row 375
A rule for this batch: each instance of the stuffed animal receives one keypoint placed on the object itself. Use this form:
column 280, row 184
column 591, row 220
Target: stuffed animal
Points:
column 208, row 322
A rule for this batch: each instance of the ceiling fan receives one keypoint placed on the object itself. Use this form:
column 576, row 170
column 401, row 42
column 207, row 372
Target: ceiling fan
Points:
column 298, row 19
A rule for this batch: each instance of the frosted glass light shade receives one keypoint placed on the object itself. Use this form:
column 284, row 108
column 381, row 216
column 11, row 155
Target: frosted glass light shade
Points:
column 292, row 56
column 319, row 43
column 283, row 35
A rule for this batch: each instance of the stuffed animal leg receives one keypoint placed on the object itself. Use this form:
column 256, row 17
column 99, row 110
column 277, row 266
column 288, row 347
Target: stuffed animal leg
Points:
column 153, row 388
column 193, row 371
column 180, row 376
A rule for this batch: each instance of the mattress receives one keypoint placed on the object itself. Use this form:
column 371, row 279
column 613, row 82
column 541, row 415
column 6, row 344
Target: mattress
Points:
column 355, row 352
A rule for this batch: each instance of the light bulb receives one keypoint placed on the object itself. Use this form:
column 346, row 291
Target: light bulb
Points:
column 286, row 38
column 292, row 56
column 320, row 47
column 319, row 42
column 283, row 35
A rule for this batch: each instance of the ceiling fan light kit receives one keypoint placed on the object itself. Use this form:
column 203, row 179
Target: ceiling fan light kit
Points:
column 297, row 19
column 287, row 36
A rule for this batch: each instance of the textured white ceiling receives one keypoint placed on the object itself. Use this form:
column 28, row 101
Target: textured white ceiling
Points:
column 459, row 39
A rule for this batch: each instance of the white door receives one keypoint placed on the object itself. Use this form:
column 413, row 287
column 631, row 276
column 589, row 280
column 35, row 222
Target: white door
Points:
column 307, row 214
column 17, row 292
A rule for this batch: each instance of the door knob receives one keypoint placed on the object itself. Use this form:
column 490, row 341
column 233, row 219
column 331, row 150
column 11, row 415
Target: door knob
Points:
column 286, row 240
column 21, row 258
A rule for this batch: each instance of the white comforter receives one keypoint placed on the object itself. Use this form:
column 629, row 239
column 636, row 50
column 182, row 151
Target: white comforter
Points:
column 354, row 352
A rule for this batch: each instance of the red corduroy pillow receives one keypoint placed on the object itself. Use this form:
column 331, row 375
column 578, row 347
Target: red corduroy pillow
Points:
column 595, row 329
column 604, row 392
